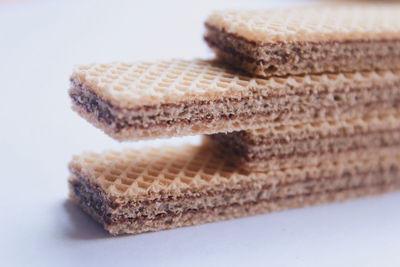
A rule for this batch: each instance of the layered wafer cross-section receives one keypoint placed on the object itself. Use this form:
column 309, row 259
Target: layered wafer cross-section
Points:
column 318, row 39
column 179, row 97
column 311, row 144
column 152, row 189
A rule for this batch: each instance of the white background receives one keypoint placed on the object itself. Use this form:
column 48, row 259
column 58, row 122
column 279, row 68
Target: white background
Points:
column 40, row 42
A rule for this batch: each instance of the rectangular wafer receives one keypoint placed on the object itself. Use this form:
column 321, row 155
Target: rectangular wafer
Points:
column 153, row 189
column 313, row 143
column 318, row 39
column 179, row 97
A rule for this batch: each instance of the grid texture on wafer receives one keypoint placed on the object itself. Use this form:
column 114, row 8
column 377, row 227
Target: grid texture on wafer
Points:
column 134, row 85
column 153, row 172
column 145, row 190
column 310, row 144
column 322, row 23
column 147, row 171
column 170, row 81
column 345, row 126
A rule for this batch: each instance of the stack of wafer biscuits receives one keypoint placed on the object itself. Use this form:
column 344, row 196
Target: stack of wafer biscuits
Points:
column 300, row 107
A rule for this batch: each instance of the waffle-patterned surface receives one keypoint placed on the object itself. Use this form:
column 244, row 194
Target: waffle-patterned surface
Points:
column 154, row 170
column 151, row 172
column 364, row 124
column 133, row 85
column 319, row 23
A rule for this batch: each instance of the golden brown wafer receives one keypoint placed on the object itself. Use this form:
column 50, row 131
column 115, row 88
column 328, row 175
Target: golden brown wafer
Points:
column 179, row 97
column 311, row 143
column 153, row 189
column 317, row 39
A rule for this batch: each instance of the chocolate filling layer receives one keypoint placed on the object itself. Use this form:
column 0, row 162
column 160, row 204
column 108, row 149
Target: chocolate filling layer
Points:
column 110, row 213
column 269, row 106
column 258, row 151
column 245, row 139
column 299, row 57
column 128, row 220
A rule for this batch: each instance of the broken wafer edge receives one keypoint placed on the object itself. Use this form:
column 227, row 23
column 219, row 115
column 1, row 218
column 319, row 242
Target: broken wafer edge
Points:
column 152, row 189
column 132, row 101
column 305, row 40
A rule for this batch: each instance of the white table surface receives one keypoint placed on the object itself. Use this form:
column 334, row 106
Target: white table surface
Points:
column 40, row 42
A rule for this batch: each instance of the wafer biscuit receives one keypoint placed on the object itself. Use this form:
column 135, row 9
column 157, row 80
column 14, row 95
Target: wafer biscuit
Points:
column 153, row 189
column 307, row 40
column 179, row 97
column 310, row 144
